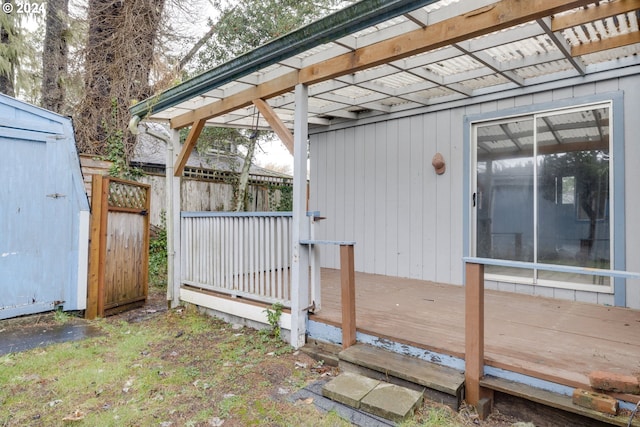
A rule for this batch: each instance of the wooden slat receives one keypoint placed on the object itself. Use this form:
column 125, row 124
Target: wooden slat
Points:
column 348, row 293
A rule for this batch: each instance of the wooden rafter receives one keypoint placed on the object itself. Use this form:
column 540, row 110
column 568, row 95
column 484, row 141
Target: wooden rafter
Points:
column 188, row 146
column 276, row 124
column 501, row 15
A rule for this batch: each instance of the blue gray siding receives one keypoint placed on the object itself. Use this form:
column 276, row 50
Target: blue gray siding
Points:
column 43, row 213
column 375, row 184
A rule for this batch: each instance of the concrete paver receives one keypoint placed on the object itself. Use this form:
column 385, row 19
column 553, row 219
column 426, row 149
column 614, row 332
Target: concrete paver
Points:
column 391, row 401
column 349, row 388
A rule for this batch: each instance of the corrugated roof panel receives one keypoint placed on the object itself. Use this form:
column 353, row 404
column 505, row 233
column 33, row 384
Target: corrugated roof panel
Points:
column 394, row 102
column 319, row 103
column 353, row 92
column 486, row 81
column 459, row 64
column 398, row 80
column 435, row 92
column 382, row 26
column 611, row 54
column 543, row 69
column 523, row 48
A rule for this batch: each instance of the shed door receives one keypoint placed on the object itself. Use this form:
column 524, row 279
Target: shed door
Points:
column 35, row 226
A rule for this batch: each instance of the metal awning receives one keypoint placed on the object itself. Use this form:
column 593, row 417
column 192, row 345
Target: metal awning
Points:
column 384, row 57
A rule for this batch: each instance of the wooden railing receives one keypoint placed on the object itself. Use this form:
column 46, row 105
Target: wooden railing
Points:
column 243, row 254
column 347, row 286
column 474, row 313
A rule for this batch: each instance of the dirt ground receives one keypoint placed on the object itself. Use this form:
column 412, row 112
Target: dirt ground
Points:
column 156, row 303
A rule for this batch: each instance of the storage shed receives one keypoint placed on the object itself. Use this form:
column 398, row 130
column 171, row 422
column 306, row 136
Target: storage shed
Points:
column 44, row 213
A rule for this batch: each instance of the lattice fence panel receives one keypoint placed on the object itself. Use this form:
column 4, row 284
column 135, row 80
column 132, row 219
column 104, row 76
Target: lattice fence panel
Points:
column 123, row 195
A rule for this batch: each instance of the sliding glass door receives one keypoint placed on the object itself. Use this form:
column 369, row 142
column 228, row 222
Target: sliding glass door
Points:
column 542, row 193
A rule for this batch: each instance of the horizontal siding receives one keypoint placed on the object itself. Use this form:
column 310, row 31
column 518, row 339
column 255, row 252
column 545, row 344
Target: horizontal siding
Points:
column 375, row 184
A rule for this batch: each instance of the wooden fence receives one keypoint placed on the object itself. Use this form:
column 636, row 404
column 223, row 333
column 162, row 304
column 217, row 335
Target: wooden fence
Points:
column 243, row 254
column 119, row 247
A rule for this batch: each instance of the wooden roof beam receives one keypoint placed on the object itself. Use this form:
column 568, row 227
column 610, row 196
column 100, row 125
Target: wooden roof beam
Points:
column 501, row 15
column 498, row 16
column 606, row 44
column 601, row 11
column 276, row 124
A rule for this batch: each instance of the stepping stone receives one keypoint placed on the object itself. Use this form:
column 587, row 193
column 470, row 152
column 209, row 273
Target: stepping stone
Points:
column 349, row 389
column 391, row 402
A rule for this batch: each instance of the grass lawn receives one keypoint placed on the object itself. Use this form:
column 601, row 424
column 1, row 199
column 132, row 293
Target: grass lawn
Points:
column 173, row 368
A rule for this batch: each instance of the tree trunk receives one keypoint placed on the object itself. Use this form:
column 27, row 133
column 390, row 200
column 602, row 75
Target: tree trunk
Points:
column 119, row 57
column 7, row 70
column 243, row 184
column 55, row 55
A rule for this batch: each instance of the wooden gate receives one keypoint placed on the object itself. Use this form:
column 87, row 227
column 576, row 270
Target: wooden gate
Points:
column 119, row 247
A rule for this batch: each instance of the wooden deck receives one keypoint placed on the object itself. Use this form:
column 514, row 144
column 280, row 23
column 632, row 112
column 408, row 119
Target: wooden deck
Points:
column 554, row 340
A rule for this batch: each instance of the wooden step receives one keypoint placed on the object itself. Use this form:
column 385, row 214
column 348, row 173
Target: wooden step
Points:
column 553, row 400
column 322, row 351
column 442, row 383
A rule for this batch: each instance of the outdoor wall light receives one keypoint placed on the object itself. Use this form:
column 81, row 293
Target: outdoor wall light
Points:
column 438, row 163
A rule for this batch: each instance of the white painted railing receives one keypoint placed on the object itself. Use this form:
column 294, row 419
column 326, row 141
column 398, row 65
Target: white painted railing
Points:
column 245, row 254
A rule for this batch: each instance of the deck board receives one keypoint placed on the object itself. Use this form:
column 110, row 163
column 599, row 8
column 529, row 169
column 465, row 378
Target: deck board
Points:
column 557, row 340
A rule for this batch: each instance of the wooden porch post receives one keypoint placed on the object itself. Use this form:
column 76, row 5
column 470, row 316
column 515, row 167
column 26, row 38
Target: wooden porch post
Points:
column 300, row 255
column 474, row 332
column 95, row 292
column 347, row 279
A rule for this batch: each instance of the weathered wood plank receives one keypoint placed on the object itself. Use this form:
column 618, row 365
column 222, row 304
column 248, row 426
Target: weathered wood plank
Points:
column 437, row 377
column 559, row 341
column 94, row 249
column 348, row 293
column 553, row 400
column 474, row 331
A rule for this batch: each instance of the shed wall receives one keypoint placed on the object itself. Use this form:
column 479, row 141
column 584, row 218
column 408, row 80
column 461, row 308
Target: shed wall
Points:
column 375, row 184
column 43, row 213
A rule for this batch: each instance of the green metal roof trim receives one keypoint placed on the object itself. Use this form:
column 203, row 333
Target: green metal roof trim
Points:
column 349, row 20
